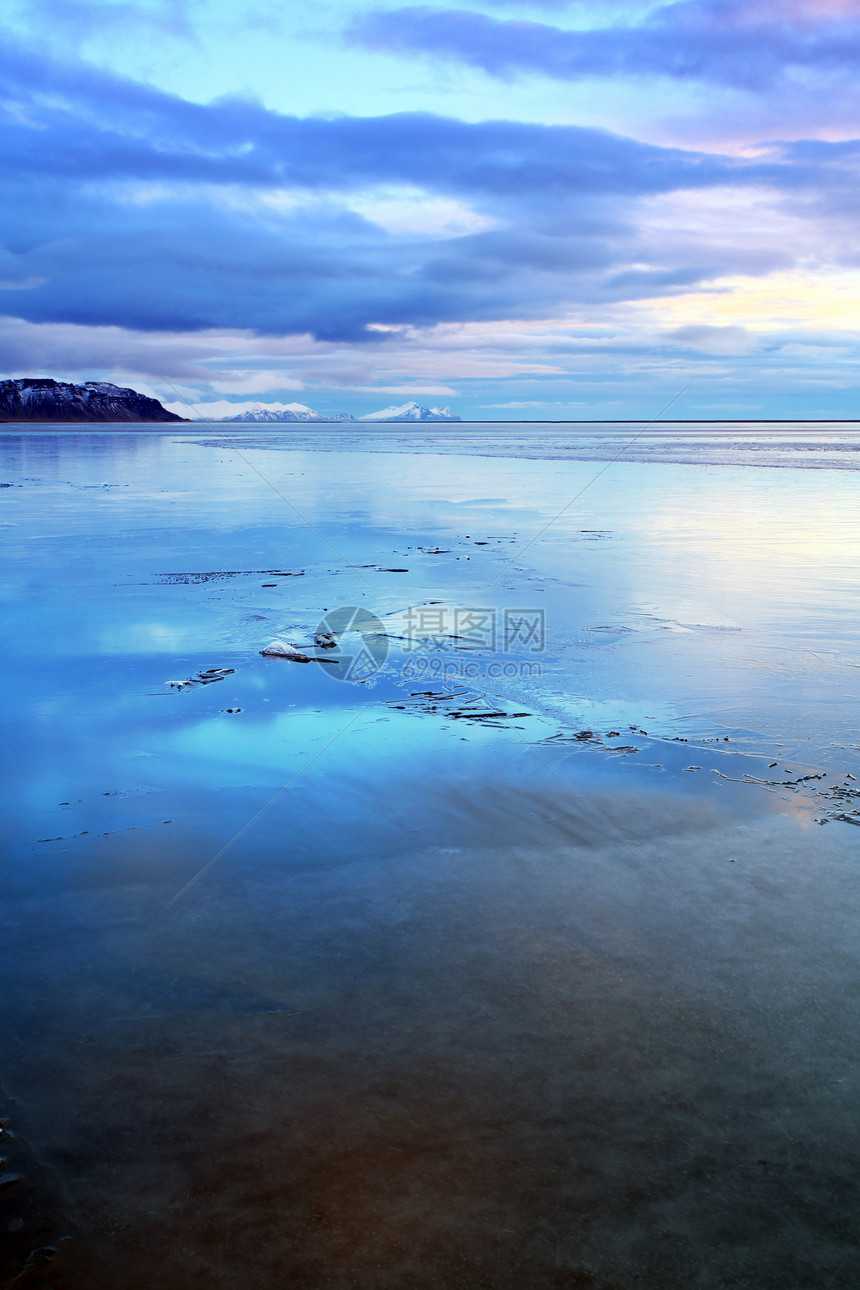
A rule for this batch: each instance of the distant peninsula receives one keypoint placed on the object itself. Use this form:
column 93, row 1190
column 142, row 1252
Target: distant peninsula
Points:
column 43, row 399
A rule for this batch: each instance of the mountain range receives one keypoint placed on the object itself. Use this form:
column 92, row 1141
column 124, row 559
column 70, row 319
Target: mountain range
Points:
column 411, row 412
column 286, row 412
column 43, row 399
column 298, row 412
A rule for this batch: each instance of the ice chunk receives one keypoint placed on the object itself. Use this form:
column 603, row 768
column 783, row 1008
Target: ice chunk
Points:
column 283, row 649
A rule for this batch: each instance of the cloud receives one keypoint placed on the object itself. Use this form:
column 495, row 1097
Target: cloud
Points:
column 715, row 340
column 752, row 44
column 77, row 21
column 131, row 207
column 413, row 391
column 64, row 350
column 623, row 359
column 407, row 361
column 129, row 212
column 95, row 127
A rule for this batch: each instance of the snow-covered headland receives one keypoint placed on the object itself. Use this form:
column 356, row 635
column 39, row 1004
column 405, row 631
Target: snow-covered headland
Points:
column 42, row 399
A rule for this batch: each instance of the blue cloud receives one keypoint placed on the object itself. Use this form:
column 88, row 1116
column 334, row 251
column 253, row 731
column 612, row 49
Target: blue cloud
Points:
column 736, row 42
column 126, row 205
column 87, row 121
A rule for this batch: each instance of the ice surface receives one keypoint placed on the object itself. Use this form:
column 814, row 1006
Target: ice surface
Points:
column 443, row 975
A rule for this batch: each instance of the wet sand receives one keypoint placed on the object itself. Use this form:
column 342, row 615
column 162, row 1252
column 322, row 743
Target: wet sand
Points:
column 507, row 1054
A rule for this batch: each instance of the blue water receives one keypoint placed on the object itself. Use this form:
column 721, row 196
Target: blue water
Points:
column 491, row 988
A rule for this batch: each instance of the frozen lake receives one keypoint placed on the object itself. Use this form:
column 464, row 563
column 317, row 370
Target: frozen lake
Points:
column 513, row 943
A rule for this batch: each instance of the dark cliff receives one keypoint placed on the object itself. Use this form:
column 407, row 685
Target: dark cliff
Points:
column 42, row 399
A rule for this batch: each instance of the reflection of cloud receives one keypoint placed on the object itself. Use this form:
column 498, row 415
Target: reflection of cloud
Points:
column 145, row 638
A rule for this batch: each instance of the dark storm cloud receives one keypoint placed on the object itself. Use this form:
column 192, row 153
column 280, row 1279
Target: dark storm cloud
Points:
column 125, row 205
column 736, row 42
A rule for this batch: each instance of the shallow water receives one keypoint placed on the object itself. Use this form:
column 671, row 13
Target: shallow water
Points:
column 331, row 983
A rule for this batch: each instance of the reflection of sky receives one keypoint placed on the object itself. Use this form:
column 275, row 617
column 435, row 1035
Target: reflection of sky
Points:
column 274, row 943
column 687, row 599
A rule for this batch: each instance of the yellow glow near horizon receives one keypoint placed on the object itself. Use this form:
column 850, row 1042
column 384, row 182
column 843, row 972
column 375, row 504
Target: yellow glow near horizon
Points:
column 819, row 301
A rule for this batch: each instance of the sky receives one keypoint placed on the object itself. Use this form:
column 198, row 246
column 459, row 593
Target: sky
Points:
column 585, row 210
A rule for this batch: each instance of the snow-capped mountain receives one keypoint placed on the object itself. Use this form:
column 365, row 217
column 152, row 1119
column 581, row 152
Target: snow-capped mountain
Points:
column 411, row 412
column 287, row 412
column 298, row 412
column 43, row 399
